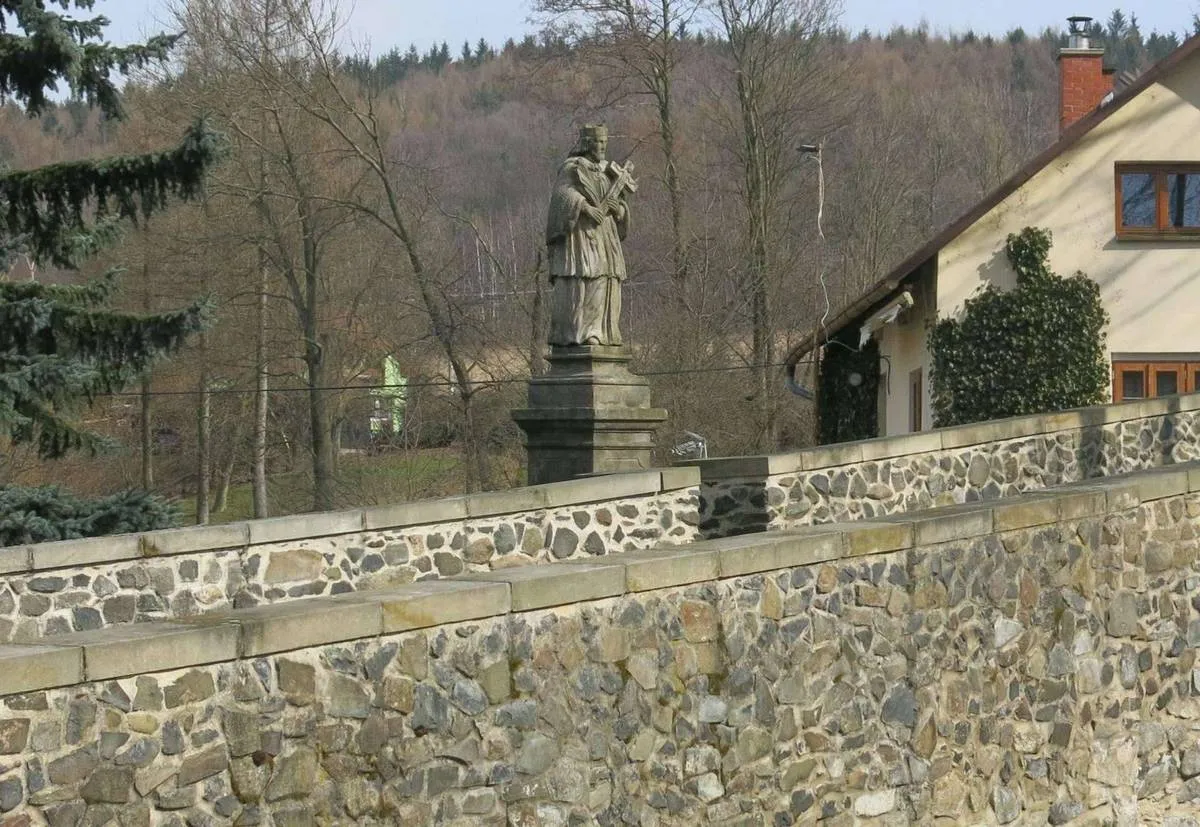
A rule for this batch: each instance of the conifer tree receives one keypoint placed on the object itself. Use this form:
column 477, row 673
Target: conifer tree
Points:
column 61, row 345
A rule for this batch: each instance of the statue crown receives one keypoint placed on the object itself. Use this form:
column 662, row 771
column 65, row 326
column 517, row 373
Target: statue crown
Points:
column 592, row 131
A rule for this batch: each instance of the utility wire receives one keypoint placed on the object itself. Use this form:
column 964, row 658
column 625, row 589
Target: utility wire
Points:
column 431, row 383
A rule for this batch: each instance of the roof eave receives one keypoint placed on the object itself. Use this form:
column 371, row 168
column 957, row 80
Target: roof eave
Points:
column 1070, row 136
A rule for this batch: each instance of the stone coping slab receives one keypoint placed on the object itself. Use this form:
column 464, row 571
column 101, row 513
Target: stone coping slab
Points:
column 940, row 439
column 229, row 635
column 199, row 539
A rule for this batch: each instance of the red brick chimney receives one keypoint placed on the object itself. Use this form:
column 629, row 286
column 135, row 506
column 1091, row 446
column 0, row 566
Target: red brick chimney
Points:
column 1082, row 79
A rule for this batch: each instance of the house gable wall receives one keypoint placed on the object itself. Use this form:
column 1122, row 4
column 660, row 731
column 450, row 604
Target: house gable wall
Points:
column 1145, row 286
column 902, row 351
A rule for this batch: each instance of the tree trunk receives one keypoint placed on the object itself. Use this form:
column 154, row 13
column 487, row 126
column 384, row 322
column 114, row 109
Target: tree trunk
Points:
column 203, row 434
column 147, row 410
column 318, row 421
column 147, row 437
column 537, row 339
column 474, row 453
column 225, row 476
column 261, row 395
column 762, row 334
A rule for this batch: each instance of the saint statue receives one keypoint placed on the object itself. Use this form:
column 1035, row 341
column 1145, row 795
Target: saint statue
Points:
column 588, row 219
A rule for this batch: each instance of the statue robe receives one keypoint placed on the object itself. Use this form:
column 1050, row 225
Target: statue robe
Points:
column 586, row 263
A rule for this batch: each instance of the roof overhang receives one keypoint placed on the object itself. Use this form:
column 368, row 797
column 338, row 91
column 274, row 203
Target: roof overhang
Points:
column 886, row 288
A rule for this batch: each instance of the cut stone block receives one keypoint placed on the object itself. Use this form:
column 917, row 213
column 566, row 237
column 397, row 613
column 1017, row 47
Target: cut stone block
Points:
column 85, row 552
column 495, row 503
column 877, row 538
column 680, row 477
column 303, row 623
column 1122, row 494
column 27, row 668
column 601, row 488
column 434, row 602
column 1075, row 503
column 135, row 649
column 304, row 526
column 1023, row 512
column 195, row 538
column 426, row 512
column 555, row 584
column 812, row 544
column 747, row 554
column 826, row 456
column 1157, row 485
column 942, row 525
column 15, row 559
column 661, row 568
column 898, row 446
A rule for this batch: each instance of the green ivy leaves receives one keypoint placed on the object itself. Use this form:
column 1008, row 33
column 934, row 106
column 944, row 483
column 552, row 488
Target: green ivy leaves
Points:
column 1033, row 349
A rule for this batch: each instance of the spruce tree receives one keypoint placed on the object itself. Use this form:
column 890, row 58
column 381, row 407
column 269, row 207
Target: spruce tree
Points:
column 62, row 345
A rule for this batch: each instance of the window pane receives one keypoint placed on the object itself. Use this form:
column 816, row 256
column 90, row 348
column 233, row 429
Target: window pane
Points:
column 1184, row 199
column 1166, row 383
column 1133, row 384
column 1137, row 199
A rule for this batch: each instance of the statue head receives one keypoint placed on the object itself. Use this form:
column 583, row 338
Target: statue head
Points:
column 593, row 142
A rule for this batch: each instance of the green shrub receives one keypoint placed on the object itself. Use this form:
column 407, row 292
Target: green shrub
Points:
column 45, row 513
column 1034, row 349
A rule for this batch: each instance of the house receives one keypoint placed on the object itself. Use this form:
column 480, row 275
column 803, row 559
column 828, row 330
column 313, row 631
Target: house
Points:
column 1119, row 190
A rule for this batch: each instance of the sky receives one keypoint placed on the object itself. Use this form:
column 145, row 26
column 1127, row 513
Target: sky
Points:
column 386, row 23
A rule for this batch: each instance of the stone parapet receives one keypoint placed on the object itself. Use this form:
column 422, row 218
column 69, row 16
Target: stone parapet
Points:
column 983, row 461
column 942, row 439
column 1027, row 661
column 233, row 634
column 82, row 585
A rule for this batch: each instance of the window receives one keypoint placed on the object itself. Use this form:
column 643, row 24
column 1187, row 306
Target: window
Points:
column 915, row 401
column 1133, row 383
column 1142, row 380
column 1157, row 200
column 1166, row 383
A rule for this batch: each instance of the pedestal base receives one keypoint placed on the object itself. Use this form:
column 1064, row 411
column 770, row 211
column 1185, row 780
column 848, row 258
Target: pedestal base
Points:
column 588, row 415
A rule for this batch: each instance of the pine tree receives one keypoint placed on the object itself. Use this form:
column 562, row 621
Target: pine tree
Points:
column 61, row 345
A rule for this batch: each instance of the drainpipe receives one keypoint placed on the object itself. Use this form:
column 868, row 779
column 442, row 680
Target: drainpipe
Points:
column 794, row 386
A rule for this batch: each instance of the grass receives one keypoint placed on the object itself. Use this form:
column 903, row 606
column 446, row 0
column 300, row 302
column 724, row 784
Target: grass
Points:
column 361, row 480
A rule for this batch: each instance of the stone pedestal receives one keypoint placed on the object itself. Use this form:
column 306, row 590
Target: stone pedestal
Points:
column 588, row 415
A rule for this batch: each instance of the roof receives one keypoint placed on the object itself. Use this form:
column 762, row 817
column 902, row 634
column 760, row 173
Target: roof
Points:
column 890, row 284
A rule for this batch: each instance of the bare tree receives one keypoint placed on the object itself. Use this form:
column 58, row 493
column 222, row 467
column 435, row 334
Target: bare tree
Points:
column 351, row 113
column 638, row 41
column 774, row 51
column 256, row 68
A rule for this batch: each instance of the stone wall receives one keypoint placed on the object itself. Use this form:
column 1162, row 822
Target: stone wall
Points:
column 1024, row 661
column 77, row 585
column 55, row 588
column 986, row 461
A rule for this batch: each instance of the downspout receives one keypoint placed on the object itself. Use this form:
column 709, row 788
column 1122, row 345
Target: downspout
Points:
column 792, row 385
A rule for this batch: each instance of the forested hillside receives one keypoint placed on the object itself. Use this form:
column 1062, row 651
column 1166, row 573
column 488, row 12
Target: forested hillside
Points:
column 391, row 209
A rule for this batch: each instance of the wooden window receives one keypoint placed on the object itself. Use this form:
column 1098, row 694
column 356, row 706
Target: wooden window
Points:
column 916, row 399
column 1130, row 382
column 1166, row 379
column 1148, row 380
column 1157, row 200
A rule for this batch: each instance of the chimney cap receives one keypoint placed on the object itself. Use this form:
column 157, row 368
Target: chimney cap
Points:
column 1077, row 32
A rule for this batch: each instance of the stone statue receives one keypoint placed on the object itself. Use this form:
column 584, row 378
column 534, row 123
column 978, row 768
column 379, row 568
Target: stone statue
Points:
column 588, row 219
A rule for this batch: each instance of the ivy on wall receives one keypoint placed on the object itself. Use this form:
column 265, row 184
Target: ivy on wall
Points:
column 1034, row 349
column 848, row 411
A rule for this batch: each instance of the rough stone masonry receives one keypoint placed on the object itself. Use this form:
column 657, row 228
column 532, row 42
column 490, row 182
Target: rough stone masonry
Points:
column 1027, row 661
